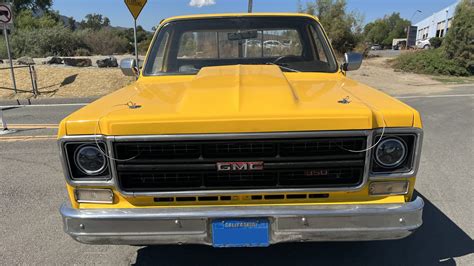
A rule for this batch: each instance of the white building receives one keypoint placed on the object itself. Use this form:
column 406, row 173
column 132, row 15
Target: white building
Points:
column 436, row 25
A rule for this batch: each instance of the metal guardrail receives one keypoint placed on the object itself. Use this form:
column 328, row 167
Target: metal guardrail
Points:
column 34, row 89
column 33, row 77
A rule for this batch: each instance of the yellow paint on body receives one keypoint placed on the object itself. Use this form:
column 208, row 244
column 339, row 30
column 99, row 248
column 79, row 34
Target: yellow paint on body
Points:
column 239, row 99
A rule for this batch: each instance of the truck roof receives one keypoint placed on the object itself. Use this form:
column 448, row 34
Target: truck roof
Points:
column 229, row 15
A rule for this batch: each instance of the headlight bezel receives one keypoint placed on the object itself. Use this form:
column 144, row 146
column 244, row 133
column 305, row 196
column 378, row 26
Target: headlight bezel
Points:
column 413, row 137
column 75, row 174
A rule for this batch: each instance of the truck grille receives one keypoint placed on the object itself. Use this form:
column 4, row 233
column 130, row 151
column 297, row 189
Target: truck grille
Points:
column 287, row 163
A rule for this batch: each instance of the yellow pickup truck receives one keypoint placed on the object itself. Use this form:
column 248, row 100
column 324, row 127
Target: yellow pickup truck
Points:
column 242, row 130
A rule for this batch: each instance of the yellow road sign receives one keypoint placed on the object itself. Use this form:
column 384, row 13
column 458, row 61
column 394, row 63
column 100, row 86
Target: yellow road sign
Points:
column 135, row 6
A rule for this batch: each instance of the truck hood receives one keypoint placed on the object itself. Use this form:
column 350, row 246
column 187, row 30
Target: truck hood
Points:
column 240, row 98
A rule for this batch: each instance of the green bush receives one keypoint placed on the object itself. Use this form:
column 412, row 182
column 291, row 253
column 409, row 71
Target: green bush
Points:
column 429, row 62
column 362, row 48
column 42, row 34
column 459, row 42
column 103, row 42
column 436, row 42
column 456, row 54
column 82, row 52
column 3, row 48
column 57, row 40
column 143, row 46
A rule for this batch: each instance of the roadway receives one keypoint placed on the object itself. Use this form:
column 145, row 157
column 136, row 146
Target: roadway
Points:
column 32, row 189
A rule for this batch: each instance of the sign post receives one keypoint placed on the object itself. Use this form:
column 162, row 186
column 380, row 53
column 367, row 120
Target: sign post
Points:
column 6, row 22
column 4, row 127
column 135, row 7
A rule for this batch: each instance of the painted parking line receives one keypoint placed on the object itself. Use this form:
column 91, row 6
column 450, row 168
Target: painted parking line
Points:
column 435, row 96
column 27, row 138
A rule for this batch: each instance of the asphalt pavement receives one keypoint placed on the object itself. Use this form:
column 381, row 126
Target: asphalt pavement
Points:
column 32, row 188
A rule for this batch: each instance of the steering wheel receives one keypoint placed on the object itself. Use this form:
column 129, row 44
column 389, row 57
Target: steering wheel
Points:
column 286, row 57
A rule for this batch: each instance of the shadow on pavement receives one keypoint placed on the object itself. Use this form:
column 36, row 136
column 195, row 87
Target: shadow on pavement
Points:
column 438, row 241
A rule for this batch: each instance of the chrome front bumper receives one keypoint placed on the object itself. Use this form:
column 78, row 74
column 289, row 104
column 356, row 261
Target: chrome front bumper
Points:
column 296, row 223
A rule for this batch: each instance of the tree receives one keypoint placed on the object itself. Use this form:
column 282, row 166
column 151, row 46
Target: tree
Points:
column 32, row 4
column 383, row 31
column 95, row 22
column 71, row 23
column 26, row 20
column 459, row 42
column 342, row 28
column 143, row 36
column 436, row 42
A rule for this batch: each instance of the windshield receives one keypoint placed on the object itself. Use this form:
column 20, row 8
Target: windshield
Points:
column 295, row 44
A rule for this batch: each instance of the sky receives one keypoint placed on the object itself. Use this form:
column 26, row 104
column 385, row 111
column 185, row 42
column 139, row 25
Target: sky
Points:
column 156, row 10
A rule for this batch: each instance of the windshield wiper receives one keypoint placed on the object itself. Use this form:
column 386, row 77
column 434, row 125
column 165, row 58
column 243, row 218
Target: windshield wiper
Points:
column 283, row 67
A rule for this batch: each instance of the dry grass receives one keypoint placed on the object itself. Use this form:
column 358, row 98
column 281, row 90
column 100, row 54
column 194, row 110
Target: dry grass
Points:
column 63, row 82
column 378, row 73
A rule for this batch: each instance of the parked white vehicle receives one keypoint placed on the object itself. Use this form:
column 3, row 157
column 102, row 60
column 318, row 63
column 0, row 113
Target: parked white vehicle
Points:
column 272, row 44
column 376, row 47
column 423, row 44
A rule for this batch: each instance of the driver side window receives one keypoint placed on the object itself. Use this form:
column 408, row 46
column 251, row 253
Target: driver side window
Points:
column 321, row 55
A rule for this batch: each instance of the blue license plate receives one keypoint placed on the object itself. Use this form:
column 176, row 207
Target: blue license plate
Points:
column 246, row 232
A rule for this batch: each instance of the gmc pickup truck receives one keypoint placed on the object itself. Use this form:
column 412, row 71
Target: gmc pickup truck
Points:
column 228, row 142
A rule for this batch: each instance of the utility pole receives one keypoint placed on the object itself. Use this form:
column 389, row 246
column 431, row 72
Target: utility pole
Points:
column 414, row 14
column 250, row 6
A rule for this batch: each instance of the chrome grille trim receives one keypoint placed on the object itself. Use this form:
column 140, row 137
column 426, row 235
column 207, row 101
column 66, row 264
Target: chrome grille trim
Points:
column 242, row 136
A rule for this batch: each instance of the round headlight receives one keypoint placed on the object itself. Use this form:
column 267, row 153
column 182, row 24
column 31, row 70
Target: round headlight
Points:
column 391, row 152
column 90, row 160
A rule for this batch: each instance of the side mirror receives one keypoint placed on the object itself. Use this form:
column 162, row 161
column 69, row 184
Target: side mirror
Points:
column 352, row 61
column 129, row 67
